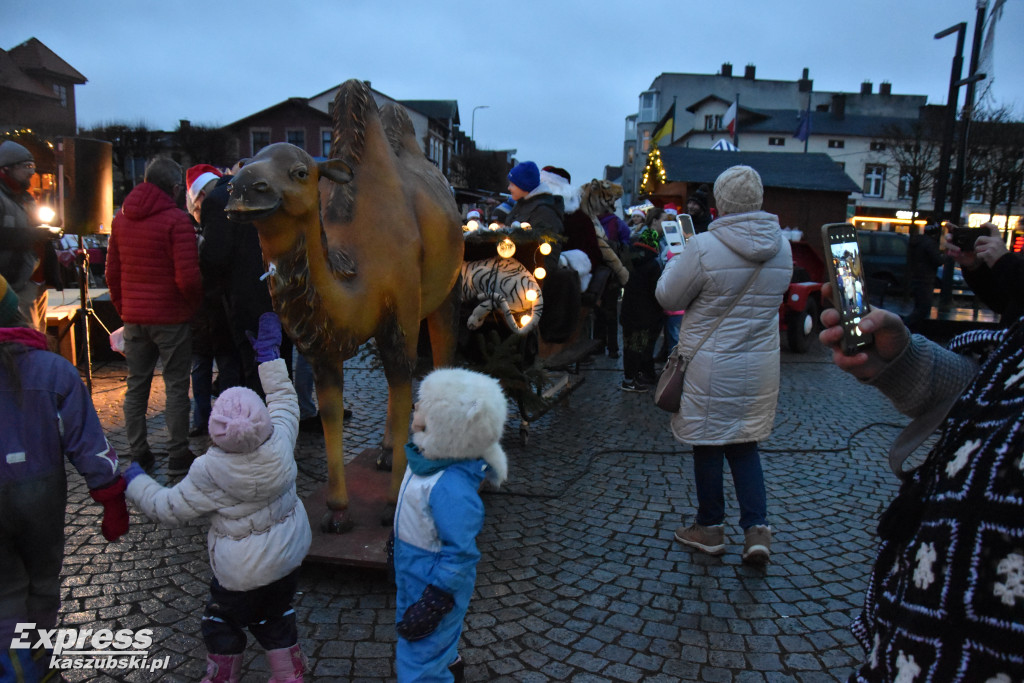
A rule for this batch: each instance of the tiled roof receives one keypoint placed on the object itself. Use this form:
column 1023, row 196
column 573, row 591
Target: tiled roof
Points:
column 32, row 56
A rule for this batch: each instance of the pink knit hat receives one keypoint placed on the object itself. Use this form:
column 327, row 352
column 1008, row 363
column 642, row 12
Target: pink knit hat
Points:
column 240, row 421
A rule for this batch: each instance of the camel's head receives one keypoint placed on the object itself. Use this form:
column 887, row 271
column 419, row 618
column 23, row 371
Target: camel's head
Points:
column 281, row 177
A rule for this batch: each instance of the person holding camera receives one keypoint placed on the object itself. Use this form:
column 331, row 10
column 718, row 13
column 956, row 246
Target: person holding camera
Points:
column 992, row 272
column 944, row 598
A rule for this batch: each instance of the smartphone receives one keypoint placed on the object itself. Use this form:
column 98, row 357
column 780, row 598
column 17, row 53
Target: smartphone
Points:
column 849, row 291
column 673, row 233
column 687, row 225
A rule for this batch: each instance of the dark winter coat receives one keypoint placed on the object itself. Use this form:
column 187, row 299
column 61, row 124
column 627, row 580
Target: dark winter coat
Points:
column 640, row 307
column 924, row 258
column 51, row 418
column 231, row 254
column 153, row 260
column 1001, row 287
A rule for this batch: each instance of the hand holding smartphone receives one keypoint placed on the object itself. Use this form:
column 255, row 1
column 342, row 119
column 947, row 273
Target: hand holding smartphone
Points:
column 849, row 290
column 673, row 233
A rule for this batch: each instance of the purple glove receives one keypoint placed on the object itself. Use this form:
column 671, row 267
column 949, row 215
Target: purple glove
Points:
column 423, row 616
column 134, row 470
column 268, row 341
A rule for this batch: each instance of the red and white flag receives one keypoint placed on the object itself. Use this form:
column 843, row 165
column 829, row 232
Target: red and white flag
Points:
column 729, row 120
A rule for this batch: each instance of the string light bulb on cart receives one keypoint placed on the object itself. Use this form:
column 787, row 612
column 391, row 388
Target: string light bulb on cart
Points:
column 506, row 248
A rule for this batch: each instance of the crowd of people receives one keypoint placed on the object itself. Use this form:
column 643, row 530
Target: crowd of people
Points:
column 188, row 294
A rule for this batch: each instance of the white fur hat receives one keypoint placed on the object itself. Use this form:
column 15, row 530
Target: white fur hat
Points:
column 464, row 415
column 738, row 190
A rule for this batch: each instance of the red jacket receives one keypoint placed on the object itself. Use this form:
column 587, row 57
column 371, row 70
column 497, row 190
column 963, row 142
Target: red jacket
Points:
column 153, row 260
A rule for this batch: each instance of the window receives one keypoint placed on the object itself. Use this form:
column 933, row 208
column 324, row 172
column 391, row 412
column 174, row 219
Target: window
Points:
column 874, row 180
column 877, row 146
column 709, row 122
column 61, row 91
column 325, row 142
column 836, row 144
column 974, row 190
column 630, row 155
column 296, row 136
column 260, row 138
column 776, row 142
column 905, row 187
column 649, row 107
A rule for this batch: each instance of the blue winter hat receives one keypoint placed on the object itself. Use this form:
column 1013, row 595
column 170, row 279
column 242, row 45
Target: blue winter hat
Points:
column 525, row 176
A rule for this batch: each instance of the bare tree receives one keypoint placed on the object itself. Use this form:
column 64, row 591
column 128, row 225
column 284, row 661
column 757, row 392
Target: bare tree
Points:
column 996, row 158
column 913, row 147
column 201, row 144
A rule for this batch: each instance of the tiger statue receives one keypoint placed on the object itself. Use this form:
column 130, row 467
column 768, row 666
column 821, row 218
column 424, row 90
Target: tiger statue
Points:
column 598, row 197
column 501, row 284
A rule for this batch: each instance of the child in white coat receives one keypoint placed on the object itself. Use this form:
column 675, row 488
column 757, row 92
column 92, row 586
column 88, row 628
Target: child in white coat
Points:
column 259, row 532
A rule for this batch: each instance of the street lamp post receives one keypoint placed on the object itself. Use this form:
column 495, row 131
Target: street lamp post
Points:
column 472, row 127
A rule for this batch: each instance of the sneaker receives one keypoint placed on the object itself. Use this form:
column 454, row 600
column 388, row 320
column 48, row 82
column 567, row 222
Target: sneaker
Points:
column 708, row 539
column 757, row 544
column 146, row 461
column 179, row 464
column 648, row 380
column 633, row 386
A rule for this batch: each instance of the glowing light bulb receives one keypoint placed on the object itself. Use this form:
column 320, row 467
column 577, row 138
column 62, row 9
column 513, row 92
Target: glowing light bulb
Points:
column 525, row 226
column 506, row 248
column 545, row 248
column 540, row 273
column 46, row 214
column 531, row 295
column 473, row 225
column 525, row 320
column 494, row 226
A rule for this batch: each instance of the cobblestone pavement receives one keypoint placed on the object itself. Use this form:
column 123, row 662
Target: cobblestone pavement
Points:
column 580, row 579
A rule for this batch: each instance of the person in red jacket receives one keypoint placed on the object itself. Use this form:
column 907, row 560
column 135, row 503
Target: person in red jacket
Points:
column 153, row 275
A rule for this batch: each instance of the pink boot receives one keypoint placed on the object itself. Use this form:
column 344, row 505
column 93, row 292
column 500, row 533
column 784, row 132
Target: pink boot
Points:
column 222, row 668
column 287, row 664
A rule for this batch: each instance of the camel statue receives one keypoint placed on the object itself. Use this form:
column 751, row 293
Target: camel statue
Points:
column 385, row 255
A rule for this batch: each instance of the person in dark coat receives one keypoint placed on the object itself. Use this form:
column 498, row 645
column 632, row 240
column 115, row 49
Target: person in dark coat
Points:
column 923, row 260
column 642, row 315
column 231, row 254
column 993, row 273
column 700, row 214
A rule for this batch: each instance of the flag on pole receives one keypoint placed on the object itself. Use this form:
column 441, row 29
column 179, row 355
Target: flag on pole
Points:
column 665, row 127
column 803, row 126
column 986, row 64
column 729, row 120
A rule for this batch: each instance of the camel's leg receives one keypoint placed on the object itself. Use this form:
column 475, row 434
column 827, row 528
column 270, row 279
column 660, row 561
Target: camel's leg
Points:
column 330, row 385
column 398, row 355
column 441, row 325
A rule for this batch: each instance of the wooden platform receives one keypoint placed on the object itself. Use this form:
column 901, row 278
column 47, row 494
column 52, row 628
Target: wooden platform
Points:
column 365, row 544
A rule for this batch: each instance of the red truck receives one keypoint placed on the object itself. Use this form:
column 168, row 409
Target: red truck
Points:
column 798, row 314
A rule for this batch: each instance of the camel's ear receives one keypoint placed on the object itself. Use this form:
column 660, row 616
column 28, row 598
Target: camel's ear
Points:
column 336, row 170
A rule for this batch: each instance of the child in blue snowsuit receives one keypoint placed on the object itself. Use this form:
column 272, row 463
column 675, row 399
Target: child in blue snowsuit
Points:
column 457, row 426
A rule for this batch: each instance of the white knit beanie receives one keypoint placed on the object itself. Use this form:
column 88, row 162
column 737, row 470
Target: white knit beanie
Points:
column 240, row 421
column 738, row 190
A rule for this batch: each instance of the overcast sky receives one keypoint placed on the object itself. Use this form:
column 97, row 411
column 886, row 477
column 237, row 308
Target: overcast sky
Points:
column 558, row 77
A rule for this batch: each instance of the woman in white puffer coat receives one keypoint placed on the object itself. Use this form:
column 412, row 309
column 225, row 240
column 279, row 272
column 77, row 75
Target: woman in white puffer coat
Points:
column 731, row 386
column 259, row 532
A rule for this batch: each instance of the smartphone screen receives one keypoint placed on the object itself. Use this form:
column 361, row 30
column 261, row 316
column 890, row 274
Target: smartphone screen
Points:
column 849, row 294
column 687, row 224
column 673, row 233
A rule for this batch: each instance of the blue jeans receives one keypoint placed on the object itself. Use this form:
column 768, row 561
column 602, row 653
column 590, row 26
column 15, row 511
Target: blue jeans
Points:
column 747, row 477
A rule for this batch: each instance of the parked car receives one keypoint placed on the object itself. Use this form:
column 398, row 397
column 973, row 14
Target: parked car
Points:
column 884, row 256
column 95, row 246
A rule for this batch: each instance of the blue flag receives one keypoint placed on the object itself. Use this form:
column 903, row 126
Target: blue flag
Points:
column 803, row 127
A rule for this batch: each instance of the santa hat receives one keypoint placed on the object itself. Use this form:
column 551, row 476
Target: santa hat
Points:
column 672, row 209
column 473, row 213
column 239, row 421
column 197, row 177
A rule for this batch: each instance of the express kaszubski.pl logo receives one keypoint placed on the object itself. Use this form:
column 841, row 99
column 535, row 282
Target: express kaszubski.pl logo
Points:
column 91, row 649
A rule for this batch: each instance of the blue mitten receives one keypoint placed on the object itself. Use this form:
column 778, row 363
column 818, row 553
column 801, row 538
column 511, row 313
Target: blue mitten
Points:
column 268, row 341
column 423, row 616
column 134, row 470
